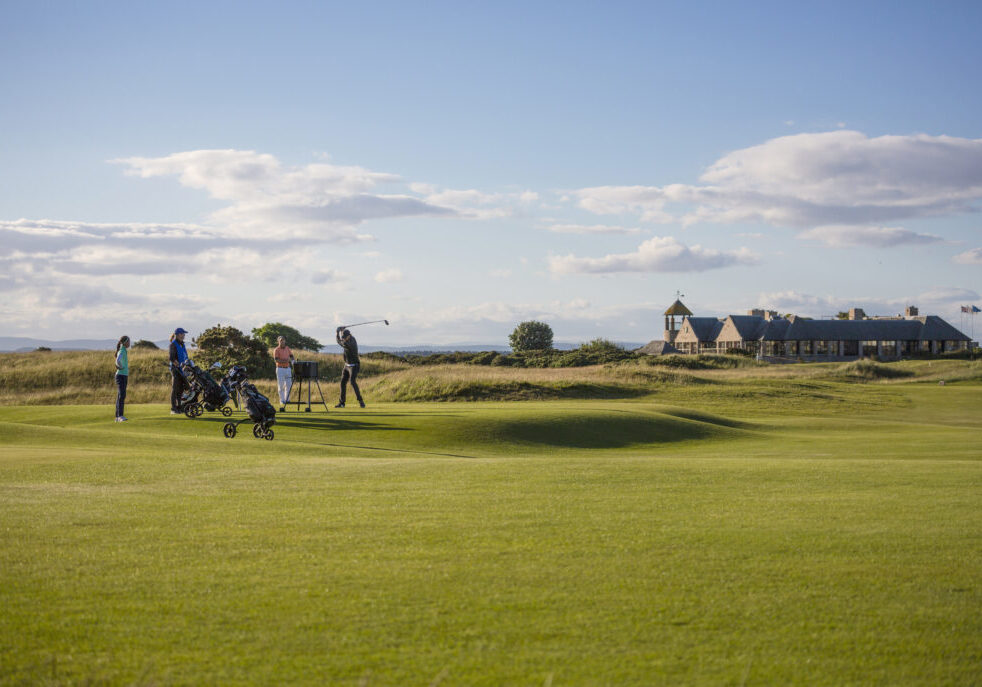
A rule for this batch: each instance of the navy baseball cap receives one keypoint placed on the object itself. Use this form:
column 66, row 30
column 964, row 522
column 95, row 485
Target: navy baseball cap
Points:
column 180, row 330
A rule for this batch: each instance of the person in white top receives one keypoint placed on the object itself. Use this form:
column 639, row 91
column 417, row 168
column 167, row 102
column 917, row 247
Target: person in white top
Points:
column 283, row 357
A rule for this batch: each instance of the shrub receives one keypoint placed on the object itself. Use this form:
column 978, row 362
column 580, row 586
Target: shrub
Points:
column 146, row 345
column 229, row 346
column 270, row 331
column 42, row 349
column 531, row 336
column 485, row 358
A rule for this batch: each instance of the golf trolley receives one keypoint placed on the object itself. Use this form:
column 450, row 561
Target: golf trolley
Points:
column 260, row 411
column 201, row 385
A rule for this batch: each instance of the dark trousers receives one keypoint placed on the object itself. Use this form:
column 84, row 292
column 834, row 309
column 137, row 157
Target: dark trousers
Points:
column 350, row 372
column 120, row 393
column 179, row 385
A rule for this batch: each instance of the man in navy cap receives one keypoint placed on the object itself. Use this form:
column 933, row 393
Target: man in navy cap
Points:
column 178, row 354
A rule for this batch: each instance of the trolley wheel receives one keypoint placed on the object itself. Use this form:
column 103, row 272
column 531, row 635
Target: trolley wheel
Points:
column 226, row 411
column 189, row 410
column 258, row 431
column 199, row 410
column 268, row 436
column 229, row 430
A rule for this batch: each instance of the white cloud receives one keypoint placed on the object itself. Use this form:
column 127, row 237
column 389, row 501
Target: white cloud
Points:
column 969, row 257
column 809, row 180
column 842, row 236
column 657, row 254
column 591, row 229
column 316, row 201
column 389, row 276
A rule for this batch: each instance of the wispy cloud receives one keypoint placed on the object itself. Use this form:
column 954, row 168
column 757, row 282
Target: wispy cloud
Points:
column 841, row 236
column 658, row 254
column 389, row 276
column 591, row 229
column 474, row 204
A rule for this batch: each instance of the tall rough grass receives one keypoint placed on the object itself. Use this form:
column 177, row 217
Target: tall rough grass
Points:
column 73, row 377
column 87, row 377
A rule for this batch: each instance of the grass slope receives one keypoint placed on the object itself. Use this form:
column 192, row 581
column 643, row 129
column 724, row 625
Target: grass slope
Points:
column 802, row 531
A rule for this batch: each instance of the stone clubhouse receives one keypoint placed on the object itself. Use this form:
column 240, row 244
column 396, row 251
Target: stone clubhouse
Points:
column 765, row 334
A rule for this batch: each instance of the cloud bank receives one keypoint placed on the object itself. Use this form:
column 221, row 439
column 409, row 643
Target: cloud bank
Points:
column 811, row 180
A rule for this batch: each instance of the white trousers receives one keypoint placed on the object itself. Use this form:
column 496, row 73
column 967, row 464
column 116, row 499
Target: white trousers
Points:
column 284, row 382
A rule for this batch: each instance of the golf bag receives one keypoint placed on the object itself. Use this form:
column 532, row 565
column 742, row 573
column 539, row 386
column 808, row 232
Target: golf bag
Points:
column 260, row 411
column 203, row 392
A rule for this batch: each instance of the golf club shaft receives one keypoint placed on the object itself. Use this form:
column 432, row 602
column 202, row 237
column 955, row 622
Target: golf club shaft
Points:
column 349, row 326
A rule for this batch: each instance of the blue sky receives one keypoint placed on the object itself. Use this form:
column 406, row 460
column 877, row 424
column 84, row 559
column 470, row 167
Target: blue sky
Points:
column 460, row 167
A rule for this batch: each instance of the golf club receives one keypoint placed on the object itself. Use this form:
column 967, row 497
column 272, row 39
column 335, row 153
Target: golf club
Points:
column 349, row 326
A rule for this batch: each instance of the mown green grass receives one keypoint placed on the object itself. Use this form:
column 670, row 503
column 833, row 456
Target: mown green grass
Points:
column 784, row 531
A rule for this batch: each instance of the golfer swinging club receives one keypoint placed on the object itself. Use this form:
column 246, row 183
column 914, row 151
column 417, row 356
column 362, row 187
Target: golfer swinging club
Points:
column 351, row 365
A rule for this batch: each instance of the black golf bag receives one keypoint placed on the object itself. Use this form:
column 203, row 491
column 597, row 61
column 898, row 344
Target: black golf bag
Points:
column 260, row 411
column 203, row 392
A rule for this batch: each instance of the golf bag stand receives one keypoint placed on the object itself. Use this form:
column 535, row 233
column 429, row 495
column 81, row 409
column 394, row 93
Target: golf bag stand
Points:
column 305, row 371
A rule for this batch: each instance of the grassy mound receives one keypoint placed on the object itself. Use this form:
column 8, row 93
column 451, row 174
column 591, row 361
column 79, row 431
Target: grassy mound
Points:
column 870, row 371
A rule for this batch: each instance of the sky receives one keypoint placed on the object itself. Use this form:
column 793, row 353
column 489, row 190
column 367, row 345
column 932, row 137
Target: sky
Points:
column 458, row 168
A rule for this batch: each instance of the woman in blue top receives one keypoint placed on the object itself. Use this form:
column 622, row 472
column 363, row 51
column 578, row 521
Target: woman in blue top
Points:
column 122, row 374
column 178, row 354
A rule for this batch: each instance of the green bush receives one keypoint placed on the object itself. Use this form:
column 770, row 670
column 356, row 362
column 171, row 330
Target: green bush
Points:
column 270, row 331
column 485, row 358
column 229, row 346
column 531, row 336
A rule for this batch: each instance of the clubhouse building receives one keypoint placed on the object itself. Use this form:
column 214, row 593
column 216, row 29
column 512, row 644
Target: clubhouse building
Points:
column 766, row 335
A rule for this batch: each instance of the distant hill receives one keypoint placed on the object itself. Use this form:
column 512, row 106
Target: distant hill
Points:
column 19, row 344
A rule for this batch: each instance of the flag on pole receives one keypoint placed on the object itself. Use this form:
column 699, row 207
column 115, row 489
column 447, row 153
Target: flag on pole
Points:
column 974, row 310
column 967, row 308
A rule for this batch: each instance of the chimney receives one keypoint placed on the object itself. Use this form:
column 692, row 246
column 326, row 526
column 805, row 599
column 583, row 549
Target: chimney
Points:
column 756, row 312
column 856, row 314
column 910, row 311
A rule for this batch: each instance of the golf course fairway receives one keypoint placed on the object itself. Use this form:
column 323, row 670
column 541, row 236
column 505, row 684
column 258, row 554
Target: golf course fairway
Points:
column 593, row 542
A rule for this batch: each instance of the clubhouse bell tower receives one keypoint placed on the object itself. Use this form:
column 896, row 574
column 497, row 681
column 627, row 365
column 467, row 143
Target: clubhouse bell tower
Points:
column 677, row 309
